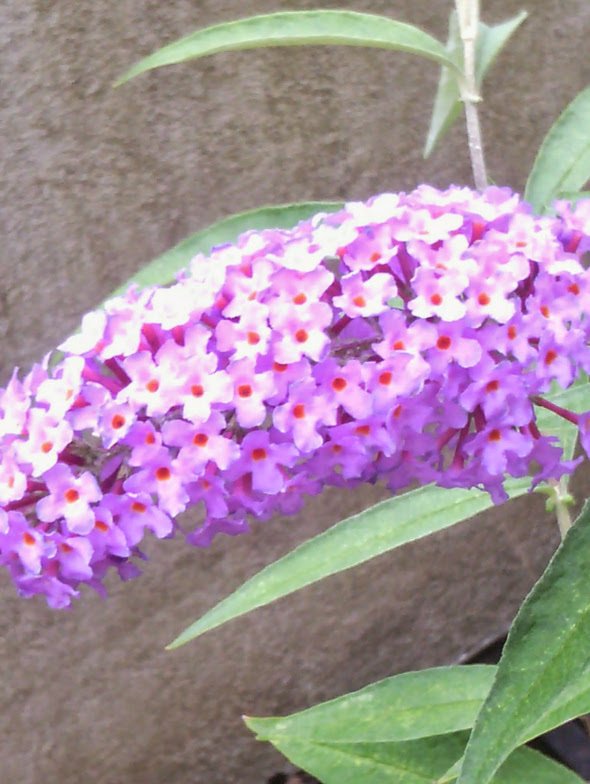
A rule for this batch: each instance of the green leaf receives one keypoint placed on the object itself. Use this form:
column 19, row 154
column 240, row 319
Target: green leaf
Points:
column 411, row 762
column 162, row 270
column 414, row 705
column 396, row 303
column 296, row 28
column 526, row 766
column 563, row 161
column 452, row 773
column 447, row 103
column 572, row 702
column 546, row 653
column 404, row 707
column 573, row 196
column 387, row 730
column 490, row 42
column 409, row 707
column 577, row 399
column 383, row 527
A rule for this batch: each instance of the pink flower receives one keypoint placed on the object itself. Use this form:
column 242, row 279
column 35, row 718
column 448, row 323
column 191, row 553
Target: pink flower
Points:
column 70, row 498
column 406, row 339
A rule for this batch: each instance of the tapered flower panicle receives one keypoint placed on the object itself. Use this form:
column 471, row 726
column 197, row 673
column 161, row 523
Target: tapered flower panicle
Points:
column 402, row 340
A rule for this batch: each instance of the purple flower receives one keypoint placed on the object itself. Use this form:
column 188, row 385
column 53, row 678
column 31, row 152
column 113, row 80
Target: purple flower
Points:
column 69, row 498
column 405, row 339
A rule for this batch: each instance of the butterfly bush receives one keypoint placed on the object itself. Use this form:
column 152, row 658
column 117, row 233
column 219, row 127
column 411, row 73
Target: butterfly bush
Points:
column 404, row 340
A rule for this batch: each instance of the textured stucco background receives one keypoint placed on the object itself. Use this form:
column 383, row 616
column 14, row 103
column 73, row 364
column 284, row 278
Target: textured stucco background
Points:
column 97, row 182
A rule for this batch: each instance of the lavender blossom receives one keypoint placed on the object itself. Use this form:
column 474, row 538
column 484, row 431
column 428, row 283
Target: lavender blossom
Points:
column 400, row 340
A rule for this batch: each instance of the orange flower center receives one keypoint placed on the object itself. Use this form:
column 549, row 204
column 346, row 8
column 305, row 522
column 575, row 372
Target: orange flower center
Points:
column 117, row 421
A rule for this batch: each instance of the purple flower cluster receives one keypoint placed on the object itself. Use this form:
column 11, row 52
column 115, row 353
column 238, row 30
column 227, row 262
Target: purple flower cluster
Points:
column 402, row 340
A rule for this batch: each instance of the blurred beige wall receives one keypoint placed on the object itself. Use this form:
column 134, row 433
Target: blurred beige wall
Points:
column 98, row 181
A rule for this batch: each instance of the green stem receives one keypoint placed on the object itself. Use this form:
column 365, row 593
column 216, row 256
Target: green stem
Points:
column 562, row 501
column 468, row 16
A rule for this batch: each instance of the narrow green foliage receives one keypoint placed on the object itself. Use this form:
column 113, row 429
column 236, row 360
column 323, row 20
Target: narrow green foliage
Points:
column 418, row 760
column 573, row 701
column 574, row 196
column 410, row 762
column 406, row 762
column 373, row 532
column 416, row 705
column 563, row 161
column 546, row 654
column 296, row 28
column 410, row 707
column 447, row 103
column 383, row 527
column 490, row 42
column 575, row 399
column 404, row 707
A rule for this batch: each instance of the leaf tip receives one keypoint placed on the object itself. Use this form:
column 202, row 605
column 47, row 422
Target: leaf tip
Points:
column 176, row 643
column 189, row 634
column 427, row 149
column 120, row 80
column 256, row 726
column 126, row 76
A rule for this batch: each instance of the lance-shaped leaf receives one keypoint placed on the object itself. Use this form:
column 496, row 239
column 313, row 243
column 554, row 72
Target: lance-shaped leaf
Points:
column 576, row 399
column 573, row 196
column 353, row 541
column 571, row 702
column 163, row 270
column 546, row 653
column 408, row 706
column 387, row 732
column 411, row 762
column 383, row 527
column 296, row 28
column 447, row 101
column 414, row 705
column 563, row 161
column 490, row 42
column 491, row 39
